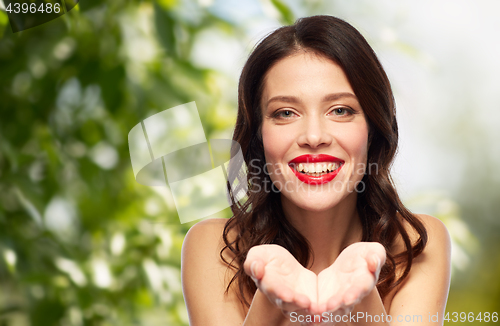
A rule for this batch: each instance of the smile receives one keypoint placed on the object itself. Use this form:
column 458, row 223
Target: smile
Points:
column 316, row 169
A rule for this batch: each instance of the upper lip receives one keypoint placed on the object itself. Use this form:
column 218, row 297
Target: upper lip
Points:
column 315, row 158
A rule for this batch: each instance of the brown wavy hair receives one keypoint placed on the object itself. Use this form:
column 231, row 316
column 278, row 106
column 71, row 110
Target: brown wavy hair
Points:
column 260, row 219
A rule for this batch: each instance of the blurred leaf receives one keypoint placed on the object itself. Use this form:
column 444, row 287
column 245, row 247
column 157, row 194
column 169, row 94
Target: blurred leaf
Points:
column 88, row 4
column 286, row 13
column 165, row 26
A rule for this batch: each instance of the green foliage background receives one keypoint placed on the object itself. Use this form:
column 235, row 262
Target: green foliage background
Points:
column 81, row 243
column 69, row 89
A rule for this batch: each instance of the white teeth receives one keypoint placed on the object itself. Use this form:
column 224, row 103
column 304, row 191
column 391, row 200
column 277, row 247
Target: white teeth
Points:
column 317, row 167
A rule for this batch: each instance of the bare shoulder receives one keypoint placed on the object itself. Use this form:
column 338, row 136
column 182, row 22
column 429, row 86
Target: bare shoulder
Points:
column 205, row 276
column 428, row 282
column 437, row 252
column 202, row 246
column 438, row 238
column 205, row 232
column 204, row 241
column 437, row 234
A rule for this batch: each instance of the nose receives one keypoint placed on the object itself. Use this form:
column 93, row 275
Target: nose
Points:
column 315, row 133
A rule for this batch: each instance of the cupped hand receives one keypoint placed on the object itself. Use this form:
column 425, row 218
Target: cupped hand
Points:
column 336, row 289
column 351, row 277
column 284, row 281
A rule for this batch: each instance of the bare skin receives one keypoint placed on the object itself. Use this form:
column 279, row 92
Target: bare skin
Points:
column 294, row 288
column 205, row 277
column 308, row 107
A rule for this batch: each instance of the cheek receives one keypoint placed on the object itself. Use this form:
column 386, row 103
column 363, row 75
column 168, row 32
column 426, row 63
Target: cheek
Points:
column 276, row 144
column 361, row 145
column 273, row 147
column 355, row 143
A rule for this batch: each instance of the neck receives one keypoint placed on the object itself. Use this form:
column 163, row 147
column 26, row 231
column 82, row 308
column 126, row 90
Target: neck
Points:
column 328, row 231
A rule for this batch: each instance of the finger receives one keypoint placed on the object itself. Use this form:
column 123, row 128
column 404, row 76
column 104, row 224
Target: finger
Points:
column 255, row 254
column 258, row 269
column 374, row 264
column 334, row 303
column 355, row 294
column 288, row 307
column 302, row 301
column 278, row 294
column 339, row 311
column 316, row 308
column 298, row 302
column 247, row 264
column 352, row 297
column 254, row 269
column 283, row 292
column 376, row 250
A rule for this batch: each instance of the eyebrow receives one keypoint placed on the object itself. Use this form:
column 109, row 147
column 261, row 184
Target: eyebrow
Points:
column 295, row 99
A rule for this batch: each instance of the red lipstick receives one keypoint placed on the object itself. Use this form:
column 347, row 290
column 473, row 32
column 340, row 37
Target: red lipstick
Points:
column 315, row 158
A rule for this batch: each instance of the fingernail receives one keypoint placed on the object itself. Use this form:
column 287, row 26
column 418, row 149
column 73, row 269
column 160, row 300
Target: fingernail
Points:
column 252, row 268
column 377, row 272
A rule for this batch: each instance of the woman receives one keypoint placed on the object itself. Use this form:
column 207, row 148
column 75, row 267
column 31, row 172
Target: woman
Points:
column 323, row 231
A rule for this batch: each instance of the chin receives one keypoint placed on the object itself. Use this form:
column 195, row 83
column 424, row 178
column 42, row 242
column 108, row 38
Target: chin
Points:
column 315, row 202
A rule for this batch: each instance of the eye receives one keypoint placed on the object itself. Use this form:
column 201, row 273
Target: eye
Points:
column 342, row 112
column 284, row 114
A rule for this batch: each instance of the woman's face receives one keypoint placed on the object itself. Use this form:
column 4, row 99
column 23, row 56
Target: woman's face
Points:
column 314, row 131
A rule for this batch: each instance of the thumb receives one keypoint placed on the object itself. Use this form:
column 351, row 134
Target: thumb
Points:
column 375, row 265
column 376, row 258
column 254, row 269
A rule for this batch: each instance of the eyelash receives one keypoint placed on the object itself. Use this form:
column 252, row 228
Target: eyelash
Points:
column 348, row 112
column 277, row 114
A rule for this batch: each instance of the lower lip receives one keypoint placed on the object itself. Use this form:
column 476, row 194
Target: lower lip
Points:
column 324, row 178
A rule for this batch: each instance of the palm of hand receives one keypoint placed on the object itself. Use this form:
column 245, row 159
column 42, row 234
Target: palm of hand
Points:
column 351, row 277
column 293, row 288
column 281, row 277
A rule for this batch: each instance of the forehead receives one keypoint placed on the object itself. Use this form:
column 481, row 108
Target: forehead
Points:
column 305, row 74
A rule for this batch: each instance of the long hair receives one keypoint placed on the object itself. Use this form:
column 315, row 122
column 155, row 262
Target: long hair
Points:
column 260, row 219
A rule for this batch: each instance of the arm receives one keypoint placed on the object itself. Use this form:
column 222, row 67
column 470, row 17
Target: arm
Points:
column 204, row 280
